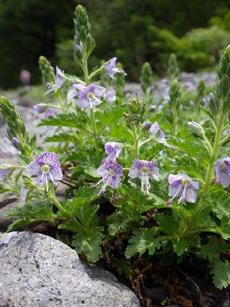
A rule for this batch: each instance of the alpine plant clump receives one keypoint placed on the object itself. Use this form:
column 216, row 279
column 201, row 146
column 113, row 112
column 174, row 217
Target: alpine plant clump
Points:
column 150, row 172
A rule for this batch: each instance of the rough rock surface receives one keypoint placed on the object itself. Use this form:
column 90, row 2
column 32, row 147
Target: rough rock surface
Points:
column 39, row 271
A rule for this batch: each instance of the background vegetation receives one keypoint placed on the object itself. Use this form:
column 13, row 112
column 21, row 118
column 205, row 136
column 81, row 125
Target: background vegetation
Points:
column 134, row 30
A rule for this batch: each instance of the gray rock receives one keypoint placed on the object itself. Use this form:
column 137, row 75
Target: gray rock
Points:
column 39, row 271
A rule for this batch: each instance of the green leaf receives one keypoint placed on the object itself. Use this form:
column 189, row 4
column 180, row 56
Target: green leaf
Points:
column 89, row 244
column 61, row 120
column 142, row 241
column 213, row 248
column 61, row 137
column 221, row 274
column 109, row 117
column 31, row 213
column 182, row 246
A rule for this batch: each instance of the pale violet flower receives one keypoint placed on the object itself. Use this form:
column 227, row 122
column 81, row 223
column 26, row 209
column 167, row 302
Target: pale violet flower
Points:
column 222, row 169
column 4, row 171
column 39, row 108
column 113, row 150
column 86, row 96
column 145, row 170
column 146, row 125
column 183, row 187
column 112, row 69
column 111, row 173
column 110, row 95
column 59, row 81
column 15, row 142
column 46, row 167
column 157, row 133
column 50, row 112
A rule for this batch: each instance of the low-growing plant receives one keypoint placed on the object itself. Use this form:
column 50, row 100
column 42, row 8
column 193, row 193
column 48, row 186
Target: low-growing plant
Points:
column 156, row 178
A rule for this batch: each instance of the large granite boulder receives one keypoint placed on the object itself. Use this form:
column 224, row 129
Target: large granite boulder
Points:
column 39, row 271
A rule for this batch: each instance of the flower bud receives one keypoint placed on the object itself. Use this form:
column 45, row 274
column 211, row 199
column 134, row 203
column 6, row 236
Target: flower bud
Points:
column 47, row 71
column 223, row 84
column 213, row 103
column 196, row 129
column 15, row 142
column 146, row 125
column 84, row 42
column 147, row 77
column 173, row 69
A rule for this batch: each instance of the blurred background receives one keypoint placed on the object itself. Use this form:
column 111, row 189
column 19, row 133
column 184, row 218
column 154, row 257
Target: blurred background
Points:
column 133, row 30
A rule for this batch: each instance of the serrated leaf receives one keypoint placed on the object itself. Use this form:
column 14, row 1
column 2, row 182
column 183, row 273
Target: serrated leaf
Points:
column 221, row 274
column 142, row 241
column 182, row 246
column 61, row 120
column 61, row 137
column 89, row 244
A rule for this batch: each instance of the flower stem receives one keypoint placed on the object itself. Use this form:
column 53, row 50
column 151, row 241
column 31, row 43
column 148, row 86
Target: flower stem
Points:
column 85, row 70
column 58, row 204
column 92, row 115
column 136, row 146
column 175, row 120
column 215, row 148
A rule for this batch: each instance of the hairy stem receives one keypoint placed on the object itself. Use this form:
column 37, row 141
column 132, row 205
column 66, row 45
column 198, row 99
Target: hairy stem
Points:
column 215, row 148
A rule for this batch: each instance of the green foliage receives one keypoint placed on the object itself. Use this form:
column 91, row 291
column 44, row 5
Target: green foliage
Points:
column 37, row 211
column 84, row 222
column 220, row 269
column 115, row 193
column 143, row 241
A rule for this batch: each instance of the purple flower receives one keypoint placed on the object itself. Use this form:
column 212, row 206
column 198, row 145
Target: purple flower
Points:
column 59, row 81
column 113, row 150
column 50, row 113
column 39, row 108
column 86, row 96
column 222, row 169
column 110, row 94
column 146, row 125
column 157, row 133
column 47, row 168
column 145, row 170
column 3, row 173
column 112, row 69
column 183, row 187
column 15, row 142
column 111, row 173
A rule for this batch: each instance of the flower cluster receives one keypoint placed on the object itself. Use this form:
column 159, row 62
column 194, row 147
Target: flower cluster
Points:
column 181, row 186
